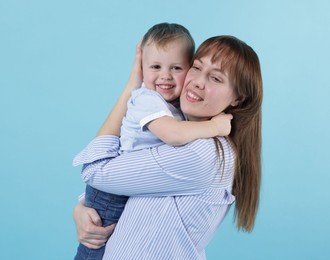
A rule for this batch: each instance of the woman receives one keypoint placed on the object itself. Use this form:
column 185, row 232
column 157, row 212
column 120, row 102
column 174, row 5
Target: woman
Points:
column 180, row 195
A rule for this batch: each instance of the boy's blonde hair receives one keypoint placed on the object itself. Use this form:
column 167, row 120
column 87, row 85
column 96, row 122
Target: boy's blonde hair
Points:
column 163, row 33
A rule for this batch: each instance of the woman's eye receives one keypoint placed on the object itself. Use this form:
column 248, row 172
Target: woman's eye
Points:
column 195, row 67
column 216, row 79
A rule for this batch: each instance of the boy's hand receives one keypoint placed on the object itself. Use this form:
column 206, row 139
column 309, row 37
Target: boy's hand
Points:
column 222, row 123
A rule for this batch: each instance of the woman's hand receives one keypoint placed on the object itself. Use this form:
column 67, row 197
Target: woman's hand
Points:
column 222, row 123
column 89, row 227
column 136, row 76
column 112, row 124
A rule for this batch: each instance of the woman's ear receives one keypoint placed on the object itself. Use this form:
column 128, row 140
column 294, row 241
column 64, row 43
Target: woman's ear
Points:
column 235, row 102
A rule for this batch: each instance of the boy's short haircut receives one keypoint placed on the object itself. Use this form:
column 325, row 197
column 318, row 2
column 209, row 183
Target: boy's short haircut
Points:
column 163, row 33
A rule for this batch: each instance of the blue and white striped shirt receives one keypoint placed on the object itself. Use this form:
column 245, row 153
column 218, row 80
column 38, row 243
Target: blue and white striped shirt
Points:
column 178, row 195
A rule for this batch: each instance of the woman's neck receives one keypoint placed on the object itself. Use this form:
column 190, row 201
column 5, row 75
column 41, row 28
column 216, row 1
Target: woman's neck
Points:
column 196, row 119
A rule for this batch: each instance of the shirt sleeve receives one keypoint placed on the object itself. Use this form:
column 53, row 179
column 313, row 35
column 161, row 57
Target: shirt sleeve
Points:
column 148, row 105
column 101, row 147
column 158, row 171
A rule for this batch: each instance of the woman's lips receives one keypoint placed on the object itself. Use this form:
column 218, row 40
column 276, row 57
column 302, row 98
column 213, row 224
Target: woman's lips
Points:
column 192, row 96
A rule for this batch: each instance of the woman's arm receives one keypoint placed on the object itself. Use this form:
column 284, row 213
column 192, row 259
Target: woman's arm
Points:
column 174, row 132
column 88, row 223
column 160, row 171
column 112, row 124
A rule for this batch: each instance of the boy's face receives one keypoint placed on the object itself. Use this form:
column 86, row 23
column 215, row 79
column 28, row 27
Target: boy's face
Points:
column 165, row 69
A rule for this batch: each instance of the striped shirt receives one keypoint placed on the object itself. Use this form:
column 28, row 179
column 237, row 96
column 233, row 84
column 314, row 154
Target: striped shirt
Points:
column 178, row 195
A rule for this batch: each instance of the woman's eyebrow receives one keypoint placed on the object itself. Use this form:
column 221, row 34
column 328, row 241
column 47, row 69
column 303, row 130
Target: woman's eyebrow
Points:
column 221, row 72
column 215, row 68
column 218, row 70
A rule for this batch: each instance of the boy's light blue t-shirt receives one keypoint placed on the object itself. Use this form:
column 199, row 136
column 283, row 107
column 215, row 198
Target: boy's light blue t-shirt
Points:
column 144, row 106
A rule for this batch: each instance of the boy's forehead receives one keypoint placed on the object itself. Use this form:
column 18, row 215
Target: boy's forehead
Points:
column 165, row 44
column 174, row 54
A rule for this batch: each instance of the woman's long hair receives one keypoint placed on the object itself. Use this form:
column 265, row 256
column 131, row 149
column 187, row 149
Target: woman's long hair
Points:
column 242, row 65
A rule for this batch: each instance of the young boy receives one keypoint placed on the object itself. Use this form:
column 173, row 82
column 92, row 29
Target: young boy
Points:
column 153, row 116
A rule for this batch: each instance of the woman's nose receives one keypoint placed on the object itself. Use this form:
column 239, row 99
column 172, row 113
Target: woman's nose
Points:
column 199, row 83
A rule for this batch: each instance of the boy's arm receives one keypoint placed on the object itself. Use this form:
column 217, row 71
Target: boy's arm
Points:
column 174, row 132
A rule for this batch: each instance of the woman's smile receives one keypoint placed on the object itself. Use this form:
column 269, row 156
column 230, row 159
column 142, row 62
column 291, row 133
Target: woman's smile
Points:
column 193, row 96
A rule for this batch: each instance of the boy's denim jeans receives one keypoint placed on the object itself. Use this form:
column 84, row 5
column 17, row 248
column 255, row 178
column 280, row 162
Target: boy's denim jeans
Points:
column 109, row 207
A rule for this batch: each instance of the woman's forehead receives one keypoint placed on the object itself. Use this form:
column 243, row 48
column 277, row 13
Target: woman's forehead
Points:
column 214, row 64
column 219, row 54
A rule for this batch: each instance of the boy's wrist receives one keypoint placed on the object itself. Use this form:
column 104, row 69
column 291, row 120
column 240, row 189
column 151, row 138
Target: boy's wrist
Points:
column 214, row 131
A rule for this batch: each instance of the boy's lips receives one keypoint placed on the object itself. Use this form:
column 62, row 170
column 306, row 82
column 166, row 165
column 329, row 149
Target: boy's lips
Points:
column 165, row 86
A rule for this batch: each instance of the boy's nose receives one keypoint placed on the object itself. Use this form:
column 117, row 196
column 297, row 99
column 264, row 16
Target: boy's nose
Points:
column 166, row 75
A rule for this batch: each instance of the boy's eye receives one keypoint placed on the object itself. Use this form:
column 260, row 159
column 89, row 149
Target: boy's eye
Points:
column 155, row 67
column 177, row 68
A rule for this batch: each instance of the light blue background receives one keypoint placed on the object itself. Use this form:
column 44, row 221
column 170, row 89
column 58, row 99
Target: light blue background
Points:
column 64, row 63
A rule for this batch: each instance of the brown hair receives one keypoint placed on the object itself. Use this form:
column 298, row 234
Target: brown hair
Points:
column 242, row 65
column 163, row 33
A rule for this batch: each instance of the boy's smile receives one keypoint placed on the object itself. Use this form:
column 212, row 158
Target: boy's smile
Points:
column 164, row 69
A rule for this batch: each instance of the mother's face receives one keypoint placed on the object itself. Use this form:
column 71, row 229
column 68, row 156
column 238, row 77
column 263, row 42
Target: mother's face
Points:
column 207, row 91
